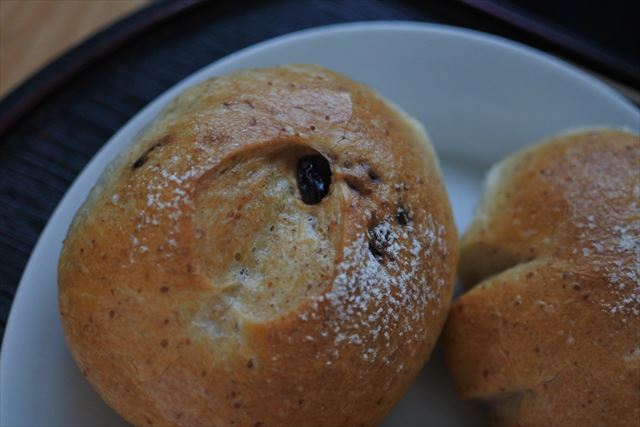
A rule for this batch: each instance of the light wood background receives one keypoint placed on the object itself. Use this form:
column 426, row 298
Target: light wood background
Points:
column 33, row 32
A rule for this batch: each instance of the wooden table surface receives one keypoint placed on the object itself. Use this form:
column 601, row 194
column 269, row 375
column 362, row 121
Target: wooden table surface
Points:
column 33, row 32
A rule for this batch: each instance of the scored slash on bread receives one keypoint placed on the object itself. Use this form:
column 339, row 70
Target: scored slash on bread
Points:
column 548, row 333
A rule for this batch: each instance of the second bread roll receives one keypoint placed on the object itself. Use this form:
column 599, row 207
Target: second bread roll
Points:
column 549, row 332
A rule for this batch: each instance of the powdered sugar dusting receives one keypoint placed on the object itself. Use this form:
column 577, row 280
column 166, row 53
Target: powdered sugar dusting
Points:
column 608, row 229
column 380, row 292
column 168, row 189
column 615, row 252
column 624, row 277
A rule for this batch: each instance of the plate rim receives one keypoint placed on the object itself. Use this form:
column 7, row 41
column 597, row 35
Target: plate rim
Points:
column 140, row 118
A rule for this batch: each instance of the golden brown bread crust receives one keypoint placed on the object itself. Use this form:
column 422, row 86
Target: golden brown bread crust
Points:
column 196, row 289
column 550, row 334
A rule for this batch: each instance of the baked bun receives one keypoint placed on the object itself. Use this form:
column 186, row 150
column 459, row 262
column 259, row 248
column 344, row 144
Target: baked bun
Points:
column 277, row 248
column 549, row 333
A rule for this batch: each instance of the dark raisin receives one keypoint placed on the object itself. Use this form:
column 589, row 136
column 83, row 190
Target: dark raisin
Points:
column 402, row 217
column 379, row 236
column 375, row 250
column 373, row 175
column 314, row 177
column 140, row 161
column 143, row 158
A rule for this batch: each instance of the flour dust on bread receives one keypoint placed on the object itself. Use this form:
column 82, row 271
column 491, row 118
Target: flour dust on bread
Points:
column 276, row 248
column 549, row 331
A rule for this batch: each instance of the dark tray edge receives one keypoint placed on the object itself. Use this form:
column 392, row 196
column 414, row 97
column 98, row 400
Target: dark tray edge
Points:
column 53, row 76
column 562, row 42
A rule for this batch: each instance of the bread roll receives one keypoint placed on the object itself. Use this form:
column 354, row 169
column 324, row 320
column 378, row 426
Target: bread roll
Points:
column 550, row 332
column 277, row 248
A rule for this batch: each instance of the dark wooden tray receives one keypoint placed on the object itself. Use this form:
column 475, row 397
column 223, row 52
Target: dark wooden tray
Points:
column 51, row 126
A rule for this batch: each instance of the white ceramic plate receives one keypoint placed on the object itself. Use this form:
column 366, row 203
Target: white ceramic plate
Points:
column 479, row 96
